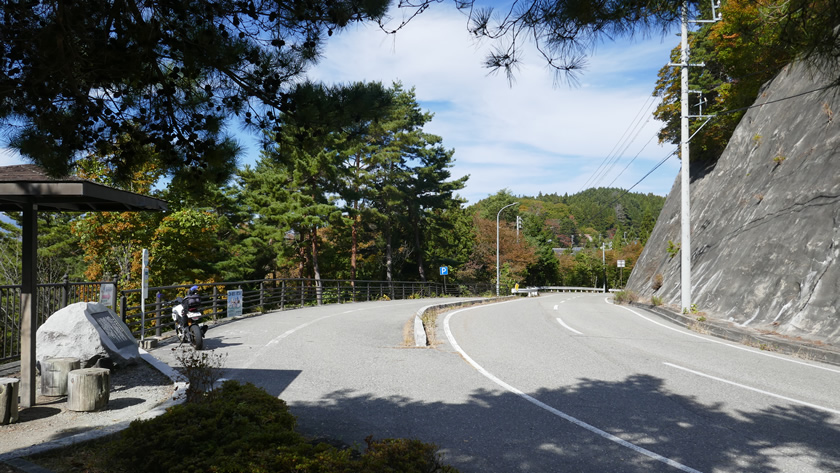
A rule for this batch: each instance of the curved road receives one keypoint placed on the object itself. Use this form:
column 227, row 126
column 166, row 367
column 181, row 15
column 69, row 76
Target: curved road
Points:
column 563, row 382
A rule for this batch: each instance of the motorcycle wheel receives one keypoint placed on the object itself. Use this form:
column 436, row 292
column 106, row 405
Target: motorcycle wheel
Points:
column 197, row 337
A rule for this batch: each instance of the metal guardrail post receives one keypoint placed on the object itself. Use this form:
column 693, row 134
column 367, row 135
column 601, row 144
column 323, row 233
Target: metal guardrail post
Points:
column 301, row 293
column 262, row 297
column 215, row 302
column 65, row 290
column 158, row 313
column 123, row 306
column 282, row 294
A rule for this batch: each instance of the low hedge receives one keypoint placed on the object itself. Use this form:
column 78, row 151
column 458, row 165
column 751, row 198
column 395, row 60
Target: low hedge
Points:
column 242, row 428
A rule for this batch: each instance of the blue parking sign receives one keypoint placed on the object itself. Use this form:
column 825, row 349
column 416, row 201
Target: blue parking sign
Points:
column 444, row 270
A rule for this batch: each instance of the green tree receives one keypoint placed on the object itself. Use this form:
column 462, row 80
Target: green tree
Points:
column 58, row 254
column 76, row 76
column 749, row 46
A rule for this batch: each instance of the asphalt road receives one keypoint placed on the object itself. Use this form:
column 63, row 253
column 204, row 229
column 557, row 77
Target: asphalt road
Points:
column 556, row 383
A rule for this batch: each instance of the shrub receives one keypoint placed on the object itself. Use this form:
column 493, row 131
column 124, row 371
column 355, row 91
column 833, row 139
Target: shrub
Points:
column 245, row 429
column 231, row 429
column 623, row 297
column 202, row 370
column 673, row 249
column 656, row 301
column 657, row 281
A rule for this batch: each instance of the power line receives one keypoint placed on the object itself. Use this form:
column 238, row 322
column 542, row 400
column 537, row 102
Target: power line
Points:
column 633, row 125
column 631, row 161
column 615, row 161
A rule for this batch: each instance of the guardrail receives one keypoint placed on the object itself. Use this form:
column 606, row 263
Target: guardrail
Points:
column 536, row 290
column 258, row 296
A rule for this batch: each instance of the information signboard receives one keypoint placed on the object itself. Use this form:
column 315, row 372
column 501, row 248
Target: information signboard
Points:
column 234, row 303
column 107, row 293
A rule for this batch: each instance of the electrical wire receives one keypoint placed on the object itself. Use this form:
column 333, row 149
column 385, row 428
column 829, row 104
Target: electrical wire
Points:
column 607, row 159
column 631, row 161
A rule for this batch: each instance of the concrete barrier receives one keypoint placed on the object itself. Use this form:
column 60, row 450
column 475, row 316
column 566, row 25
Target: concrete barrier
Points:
column 420, row 339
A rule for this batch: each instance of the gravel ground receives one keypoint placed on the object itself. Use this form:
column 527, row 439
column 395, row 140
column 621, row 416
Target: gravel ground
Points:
column 137, row 391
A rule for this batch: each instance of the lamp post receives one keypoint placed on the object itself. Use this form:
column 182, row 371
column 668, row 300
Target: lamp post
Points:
column 498, row 271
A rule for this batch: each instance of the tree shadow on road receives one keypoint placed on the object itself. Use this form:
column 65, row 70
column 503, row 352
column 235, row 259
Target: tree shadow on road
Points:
column 499, row 431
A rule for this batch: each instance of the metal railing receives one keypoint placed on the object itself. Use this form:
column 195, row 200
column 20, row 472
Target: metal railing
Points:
column 530, row 290
column 258, row 296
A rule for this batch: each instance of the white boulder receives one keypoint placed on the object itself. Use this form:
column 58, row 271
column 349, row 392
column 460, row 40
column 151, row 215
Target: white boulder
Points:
column 89, row 331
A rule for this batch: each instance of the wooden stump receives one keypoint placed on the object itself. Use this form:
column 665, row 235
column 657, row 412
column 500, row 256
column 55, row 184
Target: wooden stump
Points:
column 54, row 373
column 88, row 389
column 9, row 388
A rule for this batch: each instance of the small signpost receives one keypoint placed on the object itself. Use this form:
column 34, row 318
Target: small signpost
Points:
column 620, row 264
column 144, row 293
column 234, row 303
column 444, row 270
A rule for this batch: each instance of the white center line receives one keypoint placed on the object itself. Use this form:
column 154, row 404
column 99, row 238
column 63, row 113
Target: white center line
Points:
column 767, row 393
column 556, row 412
column 567, row 327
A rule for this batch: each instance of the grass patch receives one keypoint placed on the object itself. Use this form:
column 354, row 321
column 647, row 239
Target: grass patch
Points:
column 241, row 428
column 625, row 297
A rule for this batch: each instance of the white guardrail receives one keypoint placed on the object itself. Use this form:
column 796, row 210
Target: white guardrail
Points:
column 535, row 291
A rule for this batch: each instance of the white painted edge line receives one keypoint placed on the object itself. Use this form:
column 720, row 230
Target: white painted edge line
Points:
column 567, row 327
column 730, row 345
column 556, row 412
column 760, row 391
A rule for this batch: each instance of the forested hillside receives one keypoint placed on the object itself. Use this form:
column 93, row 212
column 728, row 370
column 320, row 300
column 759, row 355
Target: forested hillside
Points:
column 560, row 238
column 275, row 220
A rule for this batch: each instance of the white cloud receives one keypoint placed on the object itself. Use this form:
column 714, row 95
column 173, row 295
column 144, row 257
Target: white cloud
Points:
column 534, row 136
column 10, row 157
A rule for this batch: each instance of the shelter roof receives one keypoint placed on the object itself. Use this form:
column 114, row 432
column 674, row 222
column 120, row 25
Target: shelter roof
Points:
column 27, row 183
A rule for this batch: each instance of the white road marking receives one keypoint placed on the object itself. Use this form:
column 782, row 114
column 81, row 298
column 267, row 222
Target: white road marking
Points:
column 737, row 347
column 556, row 412
column 767, row 393
column 567, row 327
column 258, row 355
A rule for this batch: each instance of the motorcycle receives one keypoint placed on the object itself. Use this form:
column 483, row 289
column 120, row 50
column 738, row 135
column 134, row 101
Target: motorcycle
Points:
column 193, row 333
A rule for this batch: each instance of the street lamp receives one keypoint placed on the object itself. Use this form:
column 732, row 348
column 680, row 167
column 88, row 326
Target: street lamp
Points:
column 498, row 272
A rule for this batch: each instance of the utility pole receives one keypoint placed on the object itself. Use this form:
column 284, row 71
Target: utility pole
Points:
column 685, row 207
column 685, row 138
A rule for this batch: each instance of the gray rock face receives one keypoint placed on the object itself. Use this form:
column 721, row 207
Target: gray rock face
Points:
column 765, row 221
column 88, row 331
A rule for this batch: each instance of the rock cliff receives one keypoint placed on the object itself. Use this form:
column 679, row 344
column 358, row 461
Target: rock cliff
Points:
column 765, row 218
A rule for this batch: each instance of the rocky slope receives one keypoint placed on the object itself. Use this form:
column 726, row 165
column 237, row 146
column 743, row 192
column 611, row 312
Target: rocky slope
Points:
column 765, row 219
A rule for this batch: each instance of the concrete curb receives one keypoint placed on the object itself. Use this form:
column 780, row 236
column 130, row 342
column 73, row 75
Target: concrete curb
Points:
column 420, row 339
column 732, row 332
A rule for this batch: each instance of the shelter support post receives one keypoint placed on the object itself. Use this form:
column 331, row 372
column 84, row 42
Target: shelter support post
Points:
column 28, row 305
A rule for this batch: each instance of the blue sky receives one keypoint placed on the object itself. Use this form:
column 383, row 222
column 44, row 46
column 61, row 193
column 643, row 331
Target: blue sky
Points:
column 530, row 137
